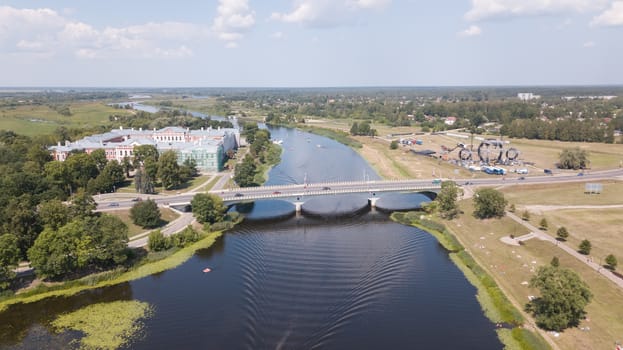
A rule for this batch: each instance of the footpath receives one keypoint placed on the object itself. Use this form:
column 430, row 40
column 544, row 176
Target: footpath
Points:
column 536, row 233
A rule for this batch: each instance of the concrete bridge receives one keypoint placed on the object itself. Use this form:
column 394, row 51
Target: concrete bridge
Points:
column 297, row 193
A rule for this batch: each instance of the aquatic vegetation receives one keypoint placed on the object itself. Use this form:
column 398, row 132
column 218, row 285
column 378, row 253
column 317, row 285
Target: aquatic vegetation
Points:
column 106, row 325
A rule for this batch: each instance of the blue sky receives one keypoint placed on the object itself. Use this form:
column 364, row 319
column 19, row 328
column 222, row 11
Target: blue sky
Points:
column 309, row 43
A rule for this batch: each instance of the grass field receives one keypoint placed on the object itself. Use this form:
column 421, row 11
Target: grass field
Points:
column 602, row 227
column 512, row 266
column 166, row 214
column 564, row 194
column 36, row 120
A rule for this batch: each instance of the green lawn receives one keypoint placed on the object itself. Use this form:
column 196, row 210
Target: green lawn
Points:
column 36, row 120
column 564, row 194
column 167, row 215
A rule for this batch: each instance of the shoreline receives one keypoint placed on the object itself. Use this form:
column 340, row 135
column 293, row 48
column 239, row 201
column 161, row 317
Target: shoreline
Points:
column 110, row 278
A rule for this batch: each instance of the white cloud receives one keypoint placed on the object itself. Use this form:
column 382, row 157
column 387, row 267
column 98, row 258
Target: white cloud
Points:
column 277, row 35
column 473, row 30
column 490, row 9
column 589, row 44
column 327, row 13
column 233, row 20
column 46, row 31
column 611, row 17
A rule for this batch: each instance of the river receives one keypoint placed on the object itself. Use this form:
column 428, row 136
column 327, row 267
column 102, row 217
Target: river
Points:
column 328, row 281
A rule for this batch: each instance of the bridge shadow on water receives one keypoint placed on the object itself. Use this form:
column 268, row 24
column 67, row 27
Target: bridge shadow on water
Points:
column 335, row 207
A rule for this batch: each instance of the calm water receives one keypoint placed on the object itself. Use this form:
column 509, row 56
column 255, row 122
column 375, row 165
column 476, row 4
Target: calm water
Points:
column 356, row 281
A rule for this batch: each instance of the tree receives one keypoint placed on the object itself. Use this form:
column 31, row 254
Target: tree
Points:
column 22, row 220
column 54, row 214
column 9, row 257
column 188, row 169
column 81, row 169
column 99, row 157
column 169, row 170
column 585, row 247
column 393, row 145
column 244, row 174
column 146, row 157
column 543, row 224
column 145, row 214
column 208, row 208
column 573, row 158
column 512, row 208
column 354, row 129
column 110, row 240
column 489, row 203
column 563, row 298
column 612, row 262
column 555, row 262
column 55, row 252
column 562, row 233
column 142, row 182
column 447, row 199
column 525, row 216
column 157, row 241
column 82, row 204
column 127, row 166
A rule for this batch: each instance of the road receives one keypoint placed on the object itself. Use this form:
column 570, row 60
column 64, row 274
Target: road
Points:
column 174, row 226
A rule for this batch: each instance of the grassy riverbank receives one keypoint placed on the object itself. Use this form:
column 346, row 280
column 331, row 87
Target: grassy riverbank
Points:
column 152, row 264
column 496, row 306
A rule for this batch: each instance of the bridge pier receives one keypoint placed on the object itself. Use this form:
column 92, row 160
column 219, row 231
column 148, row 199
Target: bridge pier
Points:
column 372, row 201
column 298, row 206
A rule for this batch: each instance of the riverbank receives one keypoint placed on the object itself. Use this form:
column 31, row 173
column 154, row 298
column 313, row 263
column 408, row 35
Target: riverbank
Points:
column 150, row 265
column 496, row 306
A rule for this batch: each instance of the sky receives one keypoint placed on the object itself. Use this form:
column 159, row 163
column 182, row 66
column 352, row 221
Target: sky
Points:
column 310, row 43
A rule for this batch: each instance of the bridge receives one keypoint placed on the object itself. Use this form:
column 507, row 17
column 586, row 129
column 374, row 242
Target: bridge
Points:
column 297, row 192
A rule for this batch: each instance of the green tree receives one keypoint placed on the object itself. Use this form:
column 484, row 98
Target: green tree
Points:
column 188, row 169
column 563, row 298
column 447, row 199
column 612, row 262
column 512, row 208
column 158, row 242
column 393, row 145
column 82, row 204
column 543, row 224
column 573, row 158
column 9, row 258
column 244, row 174
column 585, row 247
column 110, row 241
column 562, row 233
column 22, row 220
column 55, row 253
column 525, row 216
column 489, row 203
column 354, row 129
column 54, row 214
column 146, row 157
column 126, row 163
column 145, row 214
column 169, row 170
column 208, row 208
column 99, row 157
column 81, row 169
column 142, row 182
column 555, row 262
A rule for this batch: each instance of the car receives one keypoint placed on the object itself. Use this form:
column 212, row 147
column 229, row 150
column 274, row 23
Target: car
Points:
column 137, row 199
column 467, row 183
column 113, row 204
column 522, row 178
column 326, row 188
column 580, row 174
column 239, row 195
column 276, row 192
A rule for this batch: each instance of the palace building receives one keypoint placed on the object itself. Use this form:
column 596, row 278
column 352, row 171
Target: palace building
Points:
column 207, row 147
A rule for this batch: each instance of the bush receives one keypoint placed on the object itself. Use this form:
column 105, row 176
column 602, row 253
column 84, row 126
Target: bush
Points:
column 157, row 241
column 525, row 216
column 585, row 247
column 562, row 233
column 543, row 224
column 489, row 203
column 611, row 262
column 146, row 214
column 393, row 145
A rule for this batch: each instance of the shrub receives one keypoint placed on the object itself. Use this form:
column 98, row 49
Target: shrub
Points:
column 562, row 233
column 157, row 241
column 585, row 247
column 612, row 262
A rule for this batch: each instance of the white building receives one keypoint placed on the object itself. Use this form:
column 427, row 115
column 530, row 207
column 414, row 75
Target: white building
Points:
column 207, row 147
column 527, row 96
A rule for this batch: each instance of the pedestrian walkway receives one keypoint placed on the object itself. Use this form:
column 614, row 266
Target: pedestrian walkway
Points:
column 571, row 251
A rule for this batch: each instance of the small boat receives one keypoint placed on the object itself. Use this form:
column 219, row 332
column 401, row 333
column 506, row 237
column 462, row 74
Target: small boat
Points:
column 207, row 269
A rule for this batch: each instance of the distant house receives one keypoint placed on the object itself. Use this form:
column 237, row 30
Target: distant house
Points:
column 450, row 120
column 527, row 96
column 207, row 147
